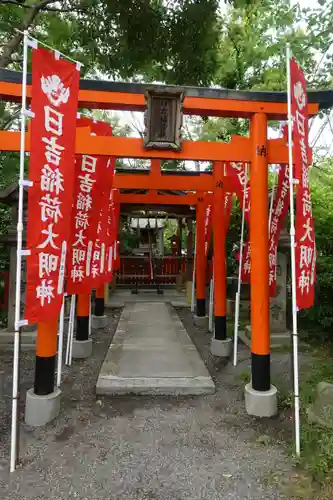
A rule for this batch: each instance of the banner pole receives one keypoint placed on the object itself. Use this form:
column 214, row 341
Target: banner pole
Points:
column 69, row 333
column 60, row 342
column 194, row 272
column 293, row 263
column 72, row 332
column 236, row 325
column 14, row 451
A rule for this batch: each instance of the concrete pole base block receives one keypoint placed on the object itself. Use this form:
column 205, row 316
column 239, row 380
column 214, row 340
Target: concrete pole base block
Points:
column 221, row 348
column 261, row 404
column 98, row 322
column 200, row 321
column 82, row 349
column 40, row 410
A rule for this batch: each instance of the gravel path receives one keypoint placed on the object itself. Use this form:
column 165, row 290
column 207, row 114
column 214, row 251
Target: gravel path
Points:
column 139, row 448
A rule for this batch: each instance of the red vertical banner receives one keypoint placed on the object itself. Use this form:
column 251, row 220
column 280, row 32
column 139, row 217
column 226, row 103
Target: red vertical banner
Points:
column 208, row 227
column 101, row 252
column 110, row 237
column 279, row 212
column 209, row 219
column 91, row 181
column 113, row 254
column 237, row 174
column 116, row 233
column 227, row 209
column 55, row 86
column 246, row 263
column 305, row 250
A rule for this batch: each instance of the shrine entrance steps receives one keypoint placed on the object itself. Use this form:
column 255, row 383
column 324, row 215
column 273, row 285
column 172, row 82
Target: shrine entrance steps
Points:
column 152, row 354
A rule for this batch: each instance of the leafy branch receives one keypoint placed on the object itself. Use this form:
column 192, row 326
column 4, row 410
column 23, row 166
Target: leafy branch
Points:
column 22, row 4
column 31, row 12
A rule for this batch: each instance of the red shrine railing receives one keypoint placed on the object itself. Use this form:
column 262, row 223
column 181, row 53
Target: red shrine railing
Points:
column 135, row 269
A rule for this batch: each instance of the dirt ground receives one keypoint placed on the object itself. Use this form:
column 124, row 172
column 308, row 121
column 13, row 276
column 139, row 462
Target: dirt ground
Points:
column 138, row 448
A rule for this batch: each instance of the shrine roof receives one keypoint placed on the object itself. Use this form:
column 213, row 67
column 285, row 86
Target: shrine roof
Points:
column 102, row 94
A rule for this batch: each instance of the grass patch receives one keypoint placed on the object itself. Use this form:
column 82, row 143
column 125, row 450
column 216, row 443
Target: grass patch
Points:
column 245, row 377
column 316, row 441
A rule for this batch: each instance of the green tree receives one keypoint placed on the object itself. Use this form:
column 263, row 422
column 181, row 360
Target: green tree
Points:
column 173, row 41
column 253, row 43
column 252, row 52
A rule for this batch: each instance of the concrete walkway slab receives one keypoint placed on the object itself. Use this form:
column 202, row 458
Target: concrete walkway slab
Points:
column 151, row 353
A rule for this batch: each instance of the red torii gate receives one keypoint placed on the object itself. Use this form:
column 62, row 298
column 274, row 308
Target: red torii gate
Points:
column 256, row 150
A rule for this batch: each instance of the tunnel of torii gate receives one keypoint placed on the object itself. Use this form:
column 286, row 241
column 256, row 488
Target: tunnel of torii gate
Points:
column 256, row 150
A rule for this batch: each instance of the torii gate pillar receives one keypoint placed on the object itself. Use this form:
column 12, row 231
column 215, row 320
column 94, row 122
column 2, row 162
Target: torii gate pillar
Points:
column 99, row 318
column 220, row 345
column 260, row 395
column 200, row 317
column 82, row 344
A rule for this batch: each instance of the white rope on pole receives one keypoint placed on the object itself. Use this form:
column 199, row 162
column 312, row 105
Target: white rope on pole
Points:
column 72, row 332
column 211, row 303
column 237, row 299
column 193, row 273
column 17, row 334
column 60, row 342
column 293, row 263
column 69, row 334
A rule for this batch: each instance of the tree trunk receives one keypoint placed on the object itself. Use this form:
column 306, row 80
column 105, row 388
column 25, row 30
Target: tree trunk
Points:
column 14, row 42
